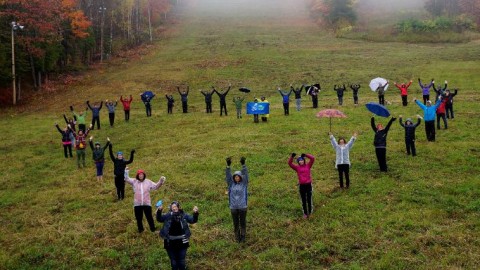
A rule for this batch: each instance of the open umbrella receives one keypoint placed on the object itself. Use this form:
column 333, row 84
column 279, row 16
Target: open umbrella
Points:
column 378, row 81
column 244, row 90
column 378, row 109
column 331, row 113
column 147, row 95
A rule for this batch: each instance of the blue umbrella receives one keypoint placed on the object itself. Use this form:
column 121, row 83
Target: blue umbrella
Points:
column 147, row 95
column 378, row 109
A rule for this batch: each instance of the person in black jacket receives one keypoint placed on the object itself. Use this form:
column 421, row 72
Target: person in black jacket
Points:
column 449, row 102
column 170, row 102
column 298, row 96
column 176, row 233
column 285, row 100
column 380, row 142
column 339, row 91
column 355, row 88
column 184, row 98
column 119, row 165
column 313, row 91
column 208, row 100
column 223, row 101
column 66, row 139
column 410, row 134
column 99, row 156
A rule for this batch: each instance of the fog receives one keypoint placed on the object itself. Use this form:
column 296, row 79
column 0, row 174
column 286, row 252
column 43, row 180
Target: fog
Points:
column 391, row 5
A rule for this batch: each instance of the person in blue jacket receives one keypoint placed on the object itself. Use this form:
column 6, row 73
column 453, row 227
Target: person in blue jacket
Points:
column 340, row 90
column 285, row 100
column 208, row 100
column 410, row 127
column 238, row 197
column 111, row 111
column 184, row 98
column 429, row 113
column 146, row 101
column 95, row 113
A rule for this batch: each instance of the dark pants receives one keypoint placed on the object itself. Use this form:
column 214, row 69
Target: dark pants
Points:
column 111, row 117
column 96, row 119
column 286, row 108
column 449, row 110
column 306, row 196
column 177, row 258
column 67, row 148
column 264, row 119
column 209, row 107
column 120, row 185
column 344, row 169
column 80, row 157
column 185, row 106
column 99, row 166
column 223, row 106
column 355, row 99
column 315, row 101
column 410, row 145
column 430, row 130
column 441, row 116
column 139, row 211
column 425, row 98
column 381, row 99
column 404, row 100
column 255, row 118
column 239, row 113
column 382, row 158
column 81, row 127
column 170, row 108
column 148, row 109
column 127, row 115
column 340, row 100
column 239, row 217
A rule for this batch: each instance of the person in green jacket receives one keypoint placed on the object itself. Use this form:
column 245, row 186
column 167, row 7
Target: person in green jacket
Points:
column 99, row 156
column 238, row 105
column 81, row 118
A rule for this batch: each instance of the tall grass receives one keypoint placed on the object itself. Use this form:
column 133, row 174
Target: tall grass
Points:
column 422, row 214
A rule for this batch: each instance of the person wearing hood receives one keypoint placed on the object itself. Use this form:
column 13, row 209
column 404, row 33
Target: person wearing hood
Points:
column 81, row 118
column 95, row 113
column 303, row 169
column 340, row 90
column 404, row 91
column 146, row 101
column 67, row 133
column 98, row 153
column 429, row 113
column 126, row 106
column 237, row 197
column 141, row 197
column 410, row 134
column 170, row 103
column 285, row 100
column 355, row 88
column 298, row 96
column 223, row 101
column 381, row 92
column 176, row 233
column 208, row 100
column 119, row 165
column 380, row 142
column 449, row 102
column 342, row 161
column 425, row 90
column 111, row 111
column 184, row 98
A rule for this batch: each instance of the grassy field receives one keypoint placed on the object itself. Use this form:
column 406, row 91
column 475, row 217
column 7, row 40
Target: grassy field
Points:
column 423, row 214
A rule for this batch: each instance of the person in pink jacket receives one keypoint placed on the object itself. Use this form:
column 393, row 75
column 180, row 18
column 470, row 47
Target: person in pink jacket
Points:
column 303, row 170
column 141, row 199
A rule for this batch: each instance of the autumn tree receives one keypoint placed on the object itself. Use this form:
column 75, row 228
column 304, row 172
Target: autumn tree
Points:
column 334, row 14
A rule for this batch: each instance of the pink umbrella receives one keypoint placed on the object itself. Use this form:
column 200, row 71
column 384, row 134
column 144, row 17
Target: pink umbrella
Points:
column 331, row 113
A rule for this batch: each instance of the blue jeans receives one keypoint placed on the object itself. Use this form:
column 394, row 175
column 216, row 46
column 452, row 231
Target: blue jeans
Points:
column 177, row 258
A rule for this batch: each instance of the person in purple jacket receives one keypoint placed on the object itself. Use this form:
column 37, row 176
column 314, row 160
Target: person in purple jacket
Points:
column 304, row 174
column 425, row 90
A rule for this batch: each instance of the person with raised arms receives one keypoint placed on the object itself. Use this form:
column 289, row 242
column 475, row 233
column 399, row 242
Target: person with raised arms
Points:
column 429, row 113
column 380, row 142
column 119, row 165
column 342, row 160
column 223, row 101
column 303, row 169
column 95, row 113
column 404, row 91
column 126, row 106
column 410, row 127
column 98, row 154
column 238, row 197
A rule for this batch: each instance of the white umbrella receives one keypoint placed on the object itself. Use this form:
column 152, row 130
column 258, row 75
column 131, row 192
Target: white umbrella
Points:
column 376, row 82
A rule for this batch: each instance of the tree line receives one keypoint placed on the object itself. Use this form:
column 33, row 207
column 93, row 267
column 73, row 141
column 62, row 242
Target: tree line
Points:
column 66, row 35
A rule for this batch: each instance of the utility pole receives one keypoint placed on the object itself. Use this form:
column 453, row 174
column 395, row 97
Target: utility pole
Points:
column 15, row 27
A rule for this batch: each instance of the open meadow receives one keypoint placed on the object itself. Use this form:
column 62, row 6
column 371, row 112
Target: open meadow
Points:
column 423, row 214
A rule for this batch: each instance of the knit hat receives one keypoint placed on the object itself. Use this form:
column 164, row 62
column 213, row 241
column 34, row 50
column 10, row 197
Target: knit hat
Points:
column 97, row 143
column 119, row 153
column 299, row 159
column 141, row 172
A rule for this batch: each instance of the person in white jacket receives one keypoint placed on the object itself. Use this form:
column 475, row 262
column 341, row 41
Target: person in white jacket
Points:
column 342, row 161
column 141, row 199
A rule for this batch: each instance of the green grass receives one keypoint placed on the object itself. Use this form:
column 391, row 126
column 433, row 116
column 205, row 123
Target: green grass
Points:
column 422, row 214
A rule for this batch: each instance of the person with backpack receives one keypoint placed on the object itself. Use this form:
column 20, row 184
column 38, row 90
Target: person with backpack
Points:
column 119, row 165
column 355, row 88
column 380, row 142
column 81, row 145
column 95, row 113
column 303, row 169
column 141, row 197
column 98, row 153
column 340, row 90
column 404, row 91
column 208, row 100
column 126, row 106
column 285, row 100
column 184, row 98
column 170, row 103
column 237, row 197
column 223, row 96
column 425, row 90
column 111, row 111
column 410, row 134
column 176, row 233
column 298, row 96
column 66, row 139
column 342, row 160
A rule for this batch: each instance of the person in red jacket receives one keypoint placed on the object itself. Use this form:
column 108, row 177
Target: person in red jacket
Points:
column 303, row 170
column 404, row 91
column 126, row 106
column 441, row 113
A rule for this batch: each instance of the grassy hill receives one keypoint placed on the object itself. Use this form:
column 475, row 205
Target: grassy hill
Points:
column 422, row 214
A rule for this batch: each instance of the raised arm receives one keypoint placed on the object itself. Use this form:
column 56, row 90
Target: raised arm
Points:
column 132, row 153
column 66, row 120
column 101, row 104
column 333, row 141
column 290, row 161
column 390, row 123
column 159, row 183
column 401, row 121
column 88, row 104
column 228, row 173
column 352, row 140
column 58, row 128
column 419, row 120
column 372, row 123
column 244, row 170
column 110, row 151
column 311, row 160
column 106, row 145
